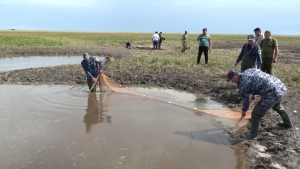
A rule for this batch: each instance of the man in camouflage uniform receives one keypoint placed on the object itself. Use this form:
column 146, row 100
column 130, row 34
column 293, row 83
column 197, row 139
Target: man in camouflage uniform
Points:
column 250, row 55
column 184, row 41
column 271, row 90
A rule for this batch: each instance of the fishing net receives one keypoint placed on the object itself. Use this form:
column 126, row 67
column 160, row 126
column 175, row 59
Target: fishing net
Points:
column 227, row 113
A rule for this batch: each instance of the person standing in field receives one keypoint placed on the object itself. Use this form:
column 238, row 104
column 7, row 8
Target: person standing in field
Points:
column 250, row 55
column 155, row 39
column 268, row 45
column 160, row 40
column 258, row 36
column 92, row 67
column 184, row 41
column 204, row 45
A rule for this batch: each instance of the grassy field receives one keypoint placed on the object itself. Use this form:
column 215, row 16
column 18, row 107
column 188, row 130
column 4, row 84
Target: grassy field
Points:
column 220, row 59
column 78, row 39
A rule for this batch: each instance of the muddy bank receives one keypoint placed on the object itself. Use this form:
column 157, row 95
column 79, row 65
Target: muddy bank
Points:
column 116, row 52
column 282, row 145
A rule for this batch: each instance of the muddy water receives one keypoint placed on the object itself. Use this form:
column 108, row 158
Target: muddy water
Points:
column 64, row 127
column 180, row 98
column 16, row 63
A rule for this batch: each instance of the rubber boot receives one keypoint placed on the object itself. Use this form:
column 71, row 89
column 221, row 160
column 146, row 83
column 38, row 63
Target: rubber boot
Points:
column 257, row 113
column 255, row 122
column 285, row 119
column 284, row 116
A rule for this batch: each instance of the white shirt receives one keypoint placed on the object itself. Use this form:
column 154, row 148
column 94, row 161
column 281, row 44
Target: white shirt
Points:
column 258, row 39
column 155, row 37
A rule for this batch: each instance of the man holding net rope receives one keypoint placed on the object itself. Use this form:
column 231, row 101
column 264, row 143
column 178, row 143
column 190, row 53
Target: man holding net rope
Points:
column 92, row 67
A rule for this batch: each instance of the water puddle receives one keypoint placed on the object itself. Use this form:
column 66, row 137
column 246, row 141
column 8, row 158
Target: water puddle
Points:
column 15, row 63
column 65, row 127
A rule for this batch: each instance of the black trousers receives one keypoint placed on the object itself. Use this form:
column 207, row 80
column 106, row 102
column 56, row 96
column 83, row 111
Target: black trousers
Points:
column 200, row 51
column 159, row 44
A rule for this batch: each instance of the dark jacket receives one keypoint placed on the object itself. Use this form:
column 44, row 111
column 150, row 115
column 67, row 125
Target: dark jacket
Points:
column 161, row 38
column 128, row 43
column 251, row 51
column 91, row 67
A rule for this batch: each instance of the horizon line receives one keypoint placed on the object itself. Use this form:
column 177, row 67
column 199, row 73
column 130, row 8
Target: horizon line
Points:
column 20, row 30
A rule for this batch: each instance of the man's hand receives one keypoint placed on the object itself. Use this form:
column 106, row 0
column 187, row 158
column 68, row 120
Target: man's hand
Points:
column 243, row 114
column 199, row 37
column 94, row 80
column 236, row 64
column 275, row 60
column 210, row 48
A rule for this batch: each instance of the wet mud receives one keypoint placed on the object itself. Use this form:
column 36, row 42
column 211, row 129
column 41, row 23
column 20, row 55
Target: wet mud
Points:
column 115, row 52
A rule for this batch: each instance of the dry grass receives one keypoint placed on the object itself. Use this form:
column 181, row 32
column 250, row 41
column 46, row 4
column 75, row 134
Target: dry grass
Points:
column 92, row 39
column 220, row 60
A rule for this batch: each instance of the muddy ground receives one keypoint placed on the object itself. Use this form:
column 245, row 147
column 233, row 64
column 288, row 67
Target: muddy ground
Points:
column 115, row 52
column 283, row 145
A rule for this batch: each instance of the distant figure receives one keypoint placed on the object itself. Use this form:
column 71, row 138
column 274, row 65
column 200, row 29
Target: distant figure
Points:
column 268, row 45
column 155, row 39
column 250, row 55
column 92, row 67
column 204, row 45
column 128, row 45
column 271, row 90
column 258, row 36
column 184, row 41
column 160, row 40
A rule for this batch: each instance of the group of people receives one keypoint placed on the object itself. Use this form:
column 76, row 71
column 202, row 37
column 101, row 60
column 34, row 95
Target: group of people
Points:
column 254, row 79
column 157, row 40
column 259, row 52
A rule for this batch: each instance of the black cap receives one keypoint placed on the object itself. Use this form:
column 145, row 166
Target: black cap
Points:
column 257, row 29
column 204, row 29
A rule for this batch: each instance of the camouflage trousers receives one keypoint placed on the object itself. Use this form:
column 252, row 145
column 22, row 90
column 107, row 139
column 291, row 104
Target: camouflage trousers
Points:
column 184, row 45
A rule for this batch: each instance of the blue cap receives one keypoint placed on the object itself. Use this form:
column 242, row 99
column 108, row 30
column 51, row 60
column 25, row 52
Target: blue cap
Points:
column 231, row 74
column 86, row 56
column 251, row 37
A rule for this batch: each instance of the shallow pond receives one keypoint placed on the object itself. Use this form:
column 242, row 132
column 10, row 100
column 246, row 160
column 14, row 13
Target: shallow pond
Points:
column 65, row 127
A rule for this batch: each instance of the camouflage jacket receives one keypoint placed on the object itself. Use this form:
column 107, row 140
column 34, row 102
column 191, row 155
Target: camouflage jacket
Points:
column 184, row 37
column 251, row 51
column 254, row 81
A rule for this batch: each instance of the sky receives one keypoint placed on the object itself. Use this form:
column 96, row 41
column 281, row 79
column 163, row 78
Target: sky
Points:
column 169, row 16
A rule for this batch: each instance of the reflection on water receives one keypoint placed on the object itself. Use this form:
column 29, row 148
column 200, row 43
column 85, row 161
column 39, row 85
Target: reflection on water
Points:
column 15, row 63
column 180, row 98
column 197, row 102
column 95, row 112
column 215, row 136
column 240, row 157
